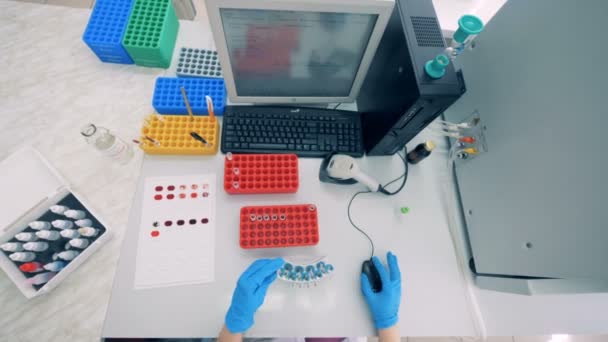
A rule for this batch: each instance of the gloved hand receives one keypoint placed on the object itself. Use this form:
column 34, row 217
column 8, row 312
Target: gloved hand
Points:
column 384, row 305
column 250, row 292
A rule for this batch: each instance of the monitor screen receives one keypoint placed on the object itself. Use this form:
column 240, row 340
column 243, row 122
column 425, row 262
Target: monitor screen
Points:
column 279, row 53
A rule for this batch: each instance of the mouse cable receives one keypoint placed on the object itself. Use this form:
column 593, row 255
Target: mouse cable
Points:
column 404, row 176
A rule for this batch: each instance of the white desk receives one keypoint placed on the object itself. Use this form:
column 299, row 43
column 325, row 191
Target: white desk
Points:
column 433, row 297
column 433, row 287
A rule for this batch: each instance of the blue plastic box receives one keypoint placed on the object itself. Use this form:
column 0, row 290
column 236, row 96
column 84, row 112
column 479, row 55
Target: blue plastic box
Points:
column 168, row 97
column 106, row 27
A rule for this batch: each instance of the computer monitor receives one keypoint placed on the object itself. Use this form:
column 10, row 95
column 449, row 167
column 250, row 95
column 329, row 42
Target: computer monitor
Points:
column 296, row 51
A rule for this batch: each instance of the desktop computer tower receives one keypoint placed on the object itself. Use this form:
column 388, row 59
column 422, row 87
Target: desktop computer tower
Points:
column 397, row 99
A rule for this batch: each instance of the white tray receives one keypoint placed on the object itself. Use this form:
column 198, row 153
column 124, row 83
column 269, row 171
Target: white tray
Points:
column 30, row 186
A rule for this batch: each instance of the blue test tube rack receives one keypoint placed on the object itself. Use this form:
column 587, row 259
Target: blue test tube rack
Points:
column 105, row 30
column 168, row 98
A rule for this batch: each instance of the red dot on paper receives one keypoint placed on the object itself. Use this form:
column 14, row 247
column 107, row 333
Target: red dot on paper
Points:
column 155, row 233
column 159, row 188
column 205, row 194
column 193, row 195
column 168, row 223
column 180, row 222
column 158, row 197
column 171, row 188
column 182, row 195
column 205, row 220
column 170, row 196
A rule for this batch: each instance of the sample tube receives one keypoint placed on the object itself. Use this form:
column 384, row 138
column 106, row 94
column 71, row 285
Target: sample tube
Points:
column 58, row 209
column 54, row 266
column 41, row 278
column 50, row 235
column 75, row 214
column 12, row 247
column 70, row 234
column 84, row 223
column 22, row 256
column 40, row 225
column 26, row 237
column 31, row 267
column 68, row 255
column 62, row 224
column 88, row 231
column 79, row 243
column 40, row 246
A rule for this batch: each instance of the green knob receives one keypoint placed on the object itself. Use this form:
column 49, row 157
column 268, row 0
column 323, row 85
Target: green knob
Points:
column 435, row 68
column 467, row 25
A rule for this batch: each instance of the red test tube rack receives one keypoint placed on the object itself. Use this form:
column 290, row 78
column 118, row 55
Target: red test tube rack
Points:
column 279, row 226
column 261, row 173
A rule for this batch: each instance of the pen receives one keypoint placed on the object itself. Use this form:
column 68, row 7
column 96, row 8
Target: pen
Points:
column 199, row 138
column 183, row 90
column 155, row 142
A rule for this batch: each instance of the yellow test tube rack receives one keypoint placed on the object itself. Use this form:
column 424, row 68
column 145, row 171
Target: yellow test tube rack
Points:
column 172, row 135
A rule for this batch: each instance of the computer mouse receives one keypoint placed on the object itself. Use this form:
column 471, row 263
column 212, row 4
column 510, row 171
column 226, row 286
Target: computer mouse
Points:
column 369, row 269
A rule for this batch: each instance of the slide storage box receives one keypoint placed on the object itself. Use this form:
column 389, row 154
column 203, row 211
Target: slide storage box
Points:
column 31, row 185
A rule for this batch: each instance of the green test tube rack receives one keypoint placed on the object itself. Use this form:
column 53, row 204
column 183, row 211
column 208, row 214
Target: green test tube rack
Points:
column 151, row 33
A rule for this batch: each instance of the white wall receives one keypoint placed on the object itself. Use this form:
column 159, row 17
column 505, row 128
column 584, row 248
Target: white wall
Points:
column 448, row 11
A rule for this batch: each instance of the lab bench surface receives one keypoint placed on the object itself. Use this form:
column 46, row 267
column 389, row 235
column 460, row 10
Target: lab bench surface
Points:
column 433, row 297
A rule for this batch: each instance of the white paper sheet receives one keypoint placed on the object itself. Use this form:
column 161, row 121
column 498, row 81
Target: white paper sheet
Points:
column 182, row 252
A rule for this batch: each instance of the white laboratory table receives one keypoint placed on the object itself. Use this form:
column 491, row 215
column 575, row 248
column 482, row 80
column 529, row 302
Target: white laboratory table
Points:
column 433, row 288
column 52, row 84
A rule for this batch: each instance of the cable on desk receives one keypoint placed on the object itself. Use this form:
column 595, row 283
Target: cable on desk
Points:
column 384, row 191
column 336, row 106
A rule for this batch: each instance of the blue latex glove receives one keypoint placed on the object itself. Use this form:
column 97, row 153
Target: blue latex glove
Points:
column 384, row 305
column 250, row 292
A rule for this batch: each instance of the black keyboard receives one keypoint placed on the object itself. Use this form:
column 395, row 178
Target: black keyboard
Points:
column 307, row 132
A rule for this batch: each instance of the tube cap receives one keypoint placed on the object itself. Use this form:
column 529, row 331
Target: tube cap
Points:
column 467, row 25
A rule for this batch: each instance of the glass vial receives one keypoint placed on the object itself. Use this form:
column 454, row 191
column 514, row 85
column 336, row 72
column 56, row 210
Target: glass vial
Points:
column 107, row 143
column 420, row 152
